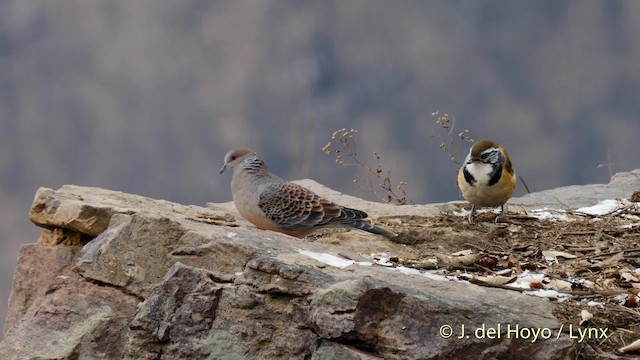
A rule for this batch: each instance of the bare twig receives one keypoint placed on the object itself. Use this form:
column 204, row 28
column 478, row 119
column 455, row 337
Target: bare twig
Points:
column 447, row 123
column 343, row 144
column 525, row 184
column 608, row 164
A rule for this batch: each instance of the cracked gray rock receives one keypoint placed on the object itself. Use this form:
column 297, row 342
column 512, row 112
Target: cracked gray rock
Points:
column 117, row 275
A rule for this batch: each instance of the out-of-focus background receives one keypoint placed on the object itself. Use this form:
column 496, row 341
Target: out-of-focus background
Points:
column 146, row 96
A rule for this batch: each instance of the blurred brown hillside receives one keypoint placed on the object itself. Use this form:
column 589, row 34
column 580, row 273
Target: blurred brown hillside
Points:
column 146, row 96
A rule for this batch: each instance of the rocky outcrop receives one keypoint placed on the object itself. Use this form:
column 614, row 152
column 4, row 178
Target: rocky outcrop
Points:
column 115, row 275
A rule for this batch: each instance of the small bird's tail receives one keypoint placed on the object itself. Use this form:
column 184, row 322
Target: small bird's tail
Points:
column 369, row 227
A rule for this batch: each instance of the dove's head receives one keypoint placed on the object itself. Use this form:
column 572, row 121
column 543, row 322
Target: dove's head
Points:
column 235, row 157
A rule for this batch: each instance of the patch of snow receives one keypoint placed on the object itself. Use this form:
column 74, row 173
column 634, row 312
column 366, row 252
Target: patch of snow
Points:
column 328, row 259
column 231, row 234
column 636, row 271
column 549, row 214
column 525, row 279
column 463, row 212
column 427, row 274
column 597, row 304
column 380, row 259
column 602, row 208
column 550, row 294
column 622, row 298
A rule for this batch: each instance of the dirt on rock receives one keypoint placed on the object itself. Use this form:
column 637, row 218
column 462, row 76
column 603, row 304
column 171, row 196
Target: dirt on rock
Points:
column 588, row 266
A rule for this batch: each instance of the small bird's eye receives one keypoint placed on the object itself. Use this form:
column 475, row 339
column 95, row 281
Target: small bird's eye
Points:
column 484, row 156
column 233, row 157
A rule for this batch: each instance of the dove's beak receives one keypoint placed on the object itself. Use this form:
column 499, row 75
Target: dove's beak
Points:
column 223, row 168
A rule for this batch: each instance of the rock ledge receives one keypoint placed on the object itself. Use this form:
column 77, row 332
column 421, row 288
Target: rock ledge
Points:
column 116, row 275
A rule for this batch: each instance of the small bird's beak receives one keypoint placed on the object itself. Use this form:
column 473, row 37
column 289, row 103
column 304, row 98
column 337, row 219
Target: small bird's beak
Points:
column 223, row 168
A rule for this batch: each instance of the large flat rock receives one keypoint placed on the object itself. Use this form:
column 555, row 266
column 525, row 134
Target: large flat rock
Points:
column 116, row 275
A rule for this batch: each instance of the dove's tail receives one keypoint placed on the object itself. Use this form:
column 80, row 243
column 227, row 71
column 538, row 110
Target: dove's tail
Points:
column 369, row 227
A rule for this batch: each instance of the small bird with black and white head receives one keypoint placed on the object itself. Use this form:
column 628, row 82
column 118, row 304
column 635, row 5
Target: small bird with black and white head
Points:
column 487, row 178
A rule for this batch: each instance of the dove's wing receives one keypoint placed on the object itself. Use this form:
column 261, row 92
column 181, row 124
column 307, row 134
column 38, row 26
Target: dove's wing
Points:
column 292, row 206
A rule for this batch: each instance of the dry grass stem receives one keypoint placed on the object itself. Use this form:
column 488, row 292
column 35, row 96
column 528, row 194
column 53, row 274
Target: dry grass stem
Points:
column 344, row 148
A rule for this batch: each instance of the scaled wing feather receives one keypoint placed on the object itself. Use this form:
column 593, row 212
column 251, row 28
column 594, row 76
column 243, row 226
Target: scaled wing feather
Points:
column 292, row 206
